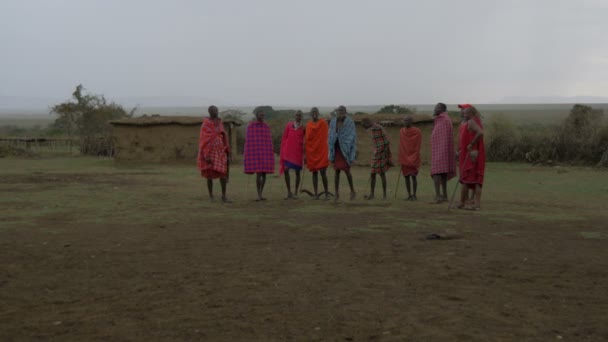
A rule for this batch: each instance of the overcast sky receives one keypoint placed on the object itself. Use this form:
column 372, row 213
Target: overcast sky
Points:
column 313, row 52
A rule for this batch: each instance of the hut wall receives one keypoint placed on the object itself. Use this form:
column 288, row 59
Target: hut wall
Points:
column 158, row 143
column 162, row 143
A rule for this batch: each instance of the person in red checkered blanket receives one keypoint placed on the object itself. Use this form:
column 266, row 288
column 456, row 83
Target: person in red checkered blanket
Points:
column 443, row 163
column 214, row 152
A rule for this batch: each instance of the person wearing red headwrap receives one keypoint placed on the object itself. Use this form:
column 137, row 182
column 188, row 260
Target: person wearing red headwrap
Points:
column 472, row 157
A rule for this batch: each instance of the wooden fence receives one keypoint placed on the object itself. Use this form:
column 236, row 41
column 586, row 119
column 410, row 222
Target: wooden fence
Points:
column 42, row 144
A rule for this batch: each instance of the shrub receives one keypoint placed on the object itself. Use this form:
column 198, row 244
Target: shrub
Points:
column 578, row 137
column 397, row 109
column 602, row 147
column 581, row 138
column 501, row 138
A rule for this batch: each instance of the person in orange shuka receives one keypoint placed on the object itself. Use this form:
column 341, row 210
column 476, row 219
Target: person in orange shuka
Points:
column 317, row 151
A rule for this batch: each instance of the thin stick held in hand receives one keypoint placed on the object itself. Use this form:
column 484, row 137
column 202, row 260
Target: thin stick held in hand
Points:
column 466, row 158
column 397, row 186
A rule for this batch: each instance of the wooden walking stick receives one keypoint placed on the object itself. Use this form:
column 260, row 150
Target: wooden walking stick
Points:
column 466, row 158
column 397, row 186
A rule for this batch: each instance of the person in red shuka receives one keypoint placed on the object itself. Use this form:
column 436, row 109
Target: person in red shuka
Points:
column 214, row 152
column 410, row 140
column 472, row 157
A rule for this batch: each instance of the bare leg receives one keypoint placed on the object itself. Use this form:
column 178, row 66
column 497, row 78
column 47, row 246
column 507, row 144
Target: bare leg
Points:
column 288, row 184
column 437, row 183
column 223, row 183
column 337, row 185
column 383, row 178
column 258, row 185
column 477, row 196
column 325, row 185
column 210, row 188
column 349, row 176
column 470, row 196
column 298, row 177
column 408, row 187
column 415, row 184
column 315, row 183
column 464, row 193
column 260, row 181
column 444, row 186
column 372, row 186
column 263, row 183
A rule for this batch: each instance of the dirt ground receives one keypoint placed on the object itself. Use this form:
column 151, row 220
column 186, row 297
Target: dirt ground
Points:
column 129, row 254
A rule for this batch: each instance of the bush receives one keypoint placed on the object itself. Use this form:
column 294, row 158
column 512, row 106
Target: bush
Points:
column 397, row 109
column 581, row 138
column 501, row 138
column 602, row 147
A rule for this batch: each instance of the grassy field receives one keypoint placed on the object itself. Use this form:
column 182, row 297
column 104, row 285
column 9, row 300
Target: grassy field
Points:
column 94, row 250
column 512, row 189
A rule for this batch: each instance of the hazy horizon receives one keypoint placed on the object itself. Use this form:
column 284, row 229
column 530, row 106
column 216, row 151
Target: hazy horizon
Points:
column 558, row 109
column 286, row 54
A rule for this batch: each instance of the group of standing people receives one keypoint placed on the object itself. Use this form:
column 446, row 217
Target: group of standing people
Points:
column 470, row 155
column 317, row 144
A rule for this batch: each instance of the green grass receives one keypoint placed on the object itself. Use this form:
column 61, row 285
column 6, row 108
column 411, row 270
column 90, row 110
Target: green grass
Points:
column 101, row 191
column 593, row 235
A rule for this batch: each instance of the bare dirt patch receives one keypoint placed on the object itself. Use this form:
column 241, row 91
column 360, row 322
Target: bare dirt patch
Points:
column 224, row 279
column 148, row 257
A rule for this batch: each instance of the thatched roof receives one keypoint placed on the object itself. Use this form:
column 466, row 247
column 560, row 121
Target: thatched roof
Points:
column 155, row 120
column 396, row 119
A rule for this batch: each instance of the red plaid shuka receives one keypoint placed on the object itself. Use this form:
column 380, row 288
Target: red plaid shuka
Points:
column 213, row 144
column 382, row 159
column 442, row 147
column 258, row 156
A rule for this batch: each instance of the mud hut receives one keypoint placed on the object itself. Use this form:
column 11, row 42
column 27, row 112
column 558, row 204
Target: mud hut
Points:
column 162, row 138
column 392, row 124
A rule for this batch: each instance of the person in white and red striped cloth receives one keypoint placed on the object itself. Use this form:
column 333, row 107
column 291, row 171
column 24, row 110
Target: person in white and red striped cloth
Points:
column 443, row 162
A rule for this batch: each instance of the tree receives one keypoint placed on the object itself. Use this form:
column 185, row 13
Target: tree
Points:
column 87, row 116
column 583, row 118
column 271, row 114
column 232, row 114
column 580, row 135
column 268, row 110
column 396, row 109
